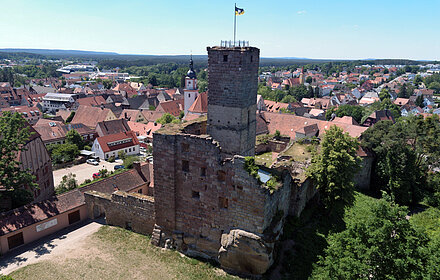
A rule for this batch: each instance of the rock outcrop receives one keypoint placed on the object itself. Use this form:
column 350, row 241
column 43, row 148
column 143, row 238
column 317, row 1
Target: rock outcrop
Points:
column 245, row 253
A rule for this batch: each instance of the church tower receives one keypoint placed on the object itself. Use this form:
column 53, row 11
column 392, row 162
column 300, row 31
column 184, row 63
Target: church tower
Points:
column 190, row 91
column 232, row 98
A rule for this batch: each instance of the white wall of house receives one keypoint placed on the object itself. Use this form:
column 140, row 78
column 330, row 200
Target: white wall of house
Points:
column 97, row 149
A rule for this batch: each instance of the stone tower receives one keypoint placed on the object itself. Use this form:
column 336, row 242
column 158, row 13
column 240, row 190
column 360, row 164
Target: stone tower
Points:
column 232, row 98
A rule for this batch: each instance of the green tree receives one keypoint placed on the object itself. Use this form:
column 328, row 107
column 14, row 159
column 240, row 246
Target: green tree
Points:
column 333, row 169
column 384, row 93
column 419, row 101
column 405, row 151
column 68, row 182
column 128, row 161
column 73, row 137
column 14, row 134
column 70, row 117
column 108, row 84
column 378, row 243
column 435, row 86
column 346, row 110
column 121, row 154
column 63, row 152
column 167, row 118
column 309, row 80
column 403, row 91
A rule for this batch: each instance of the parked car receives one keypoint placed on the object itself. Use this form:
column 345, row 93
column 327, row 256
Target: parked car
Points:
column 92, row 161
column 119, row 166
column 97, row 175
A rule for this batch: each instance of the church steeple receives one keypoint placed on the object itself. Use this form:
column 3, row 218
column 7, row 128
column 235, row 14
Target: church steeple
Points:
column 191, row 73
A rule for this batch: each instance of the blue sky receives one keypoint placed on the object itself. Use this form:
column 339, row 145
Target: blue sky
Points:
column 337, row 29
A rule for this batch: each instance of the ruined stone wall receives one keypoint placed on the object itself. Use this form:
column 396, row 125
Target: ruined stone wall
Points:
column 363, row 177
column 302, row 193
column 271, row 146
column 127, row 210
column 209, row 196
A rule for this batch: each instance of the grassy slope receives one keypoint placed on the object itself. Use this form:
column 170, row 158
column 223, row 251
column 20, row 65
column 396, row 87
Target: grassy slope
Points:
column 115, row 253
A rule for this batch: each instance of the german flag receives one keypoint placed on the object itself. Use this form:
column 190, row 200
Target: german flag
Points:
column 239, row 11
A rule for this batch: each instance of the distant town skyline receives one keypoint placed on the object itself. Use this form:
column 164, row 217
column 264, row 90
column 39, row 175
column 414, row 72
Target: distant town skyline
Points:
column 314, row 29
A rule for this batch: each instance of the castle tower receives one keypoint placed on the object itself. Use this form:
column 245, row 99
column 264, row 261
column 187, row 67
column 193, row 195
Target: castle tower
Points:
column 190, row 91
column 232, row 98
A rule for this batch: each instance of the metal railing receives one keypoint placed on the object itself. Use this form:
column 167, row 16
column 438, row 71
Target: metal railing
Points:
column 232, row 44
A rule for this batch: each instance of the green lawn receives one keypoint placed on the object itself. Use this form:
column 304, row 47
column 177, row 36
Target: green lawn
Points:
column 300, row 152
column 264, row 159
column 115, row 253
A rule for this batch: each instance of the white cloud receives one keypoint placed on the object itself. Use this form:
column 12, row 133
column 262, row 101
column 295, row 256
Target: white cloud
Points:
column 303, row 12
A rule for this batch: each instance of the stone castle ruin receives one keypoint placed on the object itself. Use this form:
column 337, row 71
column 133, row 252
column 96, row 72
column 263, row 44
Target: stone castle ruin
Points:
column 208, row 199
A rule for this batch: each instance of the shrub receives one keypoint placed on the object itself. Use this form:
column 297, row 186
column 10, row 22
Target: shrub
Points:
column 128, row 161
column 87, row 181
column 122, row 154
column 111, row 159
column 103, row 172
column 251, row 167
column 67, row 183
column 87, row 148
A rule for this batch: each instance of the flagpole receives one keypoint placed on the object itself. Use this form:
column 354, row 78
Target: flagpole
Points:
column 235, row 20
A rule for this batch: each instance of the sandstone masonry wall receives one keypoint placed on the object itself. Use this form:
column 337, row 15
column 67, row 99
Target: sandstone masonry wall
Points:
column 206, row 195
column 127, row 210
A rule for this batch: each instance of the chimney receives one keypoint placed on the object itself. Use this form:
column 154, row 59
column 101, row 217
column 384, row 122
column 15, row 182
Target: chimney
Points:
column 137, row 167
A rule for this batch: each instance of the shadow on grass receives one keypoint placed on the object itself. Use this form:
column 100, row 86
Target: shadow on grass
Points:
column 307, row 236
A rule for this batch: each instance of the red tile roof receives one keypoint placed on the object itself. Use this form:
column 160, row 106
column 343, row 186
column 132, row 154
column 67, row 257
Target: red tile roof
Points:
column 200, row 105
column 37, row 212
column 105, row 140
column 173, row 107
column 91, row 101
column 287, row 124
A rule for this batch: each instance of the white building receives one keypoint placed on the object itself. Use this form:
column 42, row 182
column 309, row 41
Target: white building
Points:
column 53, row 102
column 110, row 145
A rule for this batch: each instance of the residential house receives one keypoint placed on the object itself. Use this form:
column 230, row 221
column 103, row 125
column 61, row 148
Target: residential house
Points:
column 31, row 114
column 8, row 97
column 110, row 145
column 36, row 160
column 112, row 127
column 289, row 124
column 199, row 107
column 307, row 131
column 377, row 116
column 91, row 116
column 173, row 107
column 53, row 102
column 152, row 116
column 144, row 132
column 132, row 115
column 54, row 132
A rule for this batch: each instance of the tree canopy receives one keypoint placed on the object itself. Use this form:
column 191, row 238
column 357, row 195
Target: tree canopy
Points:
column 378, row 243
column 333, row 169
column 405, row 151
column 14, row 134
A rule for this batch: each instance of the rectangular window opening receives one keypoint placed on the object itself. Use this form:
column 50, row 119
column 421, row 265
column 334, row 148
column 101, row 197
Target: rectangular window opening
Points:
column 185, row 165
column 222, row 203
column 195, row 195
column 225, row 58
column 203, row 171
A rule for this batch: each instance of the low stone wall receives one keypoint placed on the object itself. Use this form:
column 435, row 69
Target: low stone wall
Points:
column 272, row 146
column 128, row 210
